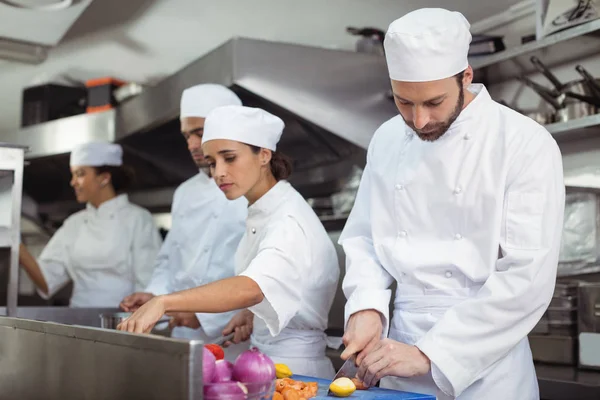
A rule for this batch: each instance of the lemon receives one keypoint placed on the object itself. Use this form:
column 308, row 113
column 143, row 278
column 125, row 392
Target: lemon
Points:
column 282, row 371
column 342, row 387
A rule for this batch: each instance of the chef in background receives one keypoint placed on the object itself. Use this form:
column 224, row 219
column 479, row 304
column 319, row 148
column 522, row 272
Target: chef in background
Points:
column 286, row 265
column 461, row 204
column 206, row 228
column 107, row 250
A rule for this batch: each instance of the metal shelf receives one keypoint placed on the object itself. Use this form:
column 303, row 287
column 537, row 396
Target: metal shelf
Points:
column 562, row 47
column 575, row 129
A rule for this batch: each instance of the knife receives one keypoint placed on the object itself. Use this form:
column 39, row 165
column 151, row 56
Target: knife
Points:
column 348, row 370
column 222, row 339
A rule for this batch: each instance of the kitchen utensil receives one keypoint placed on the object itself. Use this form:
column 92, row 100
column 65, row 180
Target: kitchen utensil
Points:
column 575, row 98
column 547, row 94
column 539, row 116
column 223, row 339
column 591, row 81
column 112, row 320
column 348, row 370
column 565, row 106
column 547, row 73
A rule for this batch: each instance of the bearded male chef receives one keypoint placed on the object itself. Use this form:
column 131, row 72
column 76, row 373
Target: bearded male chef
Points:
column 461, row 204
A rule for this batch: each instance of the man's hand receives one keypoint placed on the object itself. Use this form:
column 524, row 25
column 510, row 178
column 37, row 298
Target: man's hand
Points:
column 391, row 358
column 187, row 319
column 363, row 333
column 135, row 301
column 241, row 326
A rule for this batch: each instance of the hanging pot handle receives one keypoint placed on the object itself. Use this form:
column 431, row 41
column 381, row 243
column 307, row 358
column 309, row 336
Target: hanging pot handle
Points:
column 591, row 81
column 545, row 93
column 547, row 73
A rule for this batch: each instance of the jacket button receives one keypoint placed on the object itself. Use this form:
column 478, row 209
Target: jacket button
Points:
column 458, row 236
column 399, row 187
column 467, row 137
column 402, row 234
column 448, row 274
column 457, row 190
column 253, row 230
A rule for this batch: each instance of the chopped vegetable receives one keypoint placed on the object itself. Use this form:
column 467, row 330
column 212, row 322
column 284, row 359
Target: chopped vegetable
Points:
column 292, row 389
column 217, row 350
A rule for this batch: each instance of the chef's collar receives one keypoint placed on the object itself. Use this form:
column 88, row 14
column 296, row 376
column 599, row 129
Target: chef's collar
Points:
column 269, row 201
column 109, row 206
column 473, row 110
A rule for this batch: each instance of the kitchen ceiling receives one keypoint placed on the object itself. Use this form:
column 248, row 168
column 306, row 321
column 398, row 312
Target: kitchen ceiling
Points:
column 147, row 40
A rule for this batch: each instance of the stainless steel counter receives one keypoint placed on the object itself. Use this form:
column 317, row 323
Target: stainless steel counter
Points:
column 46, row 360
column 63, row 315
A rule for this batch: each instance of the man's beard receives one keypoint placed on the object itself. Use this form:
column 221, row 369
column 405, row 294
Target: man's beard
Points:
column 433, row 132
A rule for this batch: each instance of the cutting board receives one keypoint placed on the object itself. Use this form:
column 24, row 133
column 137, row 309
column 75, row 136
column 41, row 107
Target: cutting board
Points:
column 373, row 393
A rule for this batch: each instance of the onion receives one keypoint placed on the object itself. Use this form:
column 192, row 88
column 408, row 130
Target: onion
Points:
column 229, row 390
column 208, row 366
column 223, row 371
column 254, row 369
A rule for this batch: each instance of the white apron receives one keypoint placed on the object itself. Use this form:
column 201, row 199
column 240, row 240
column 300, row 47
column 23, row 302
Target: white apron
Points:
column 426, row 310
column 300, row 349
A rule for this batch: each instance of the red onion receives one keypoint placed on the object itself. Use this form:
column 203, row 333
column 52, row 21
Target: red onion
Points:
column 253, row 367
column 226, row 390
column 208, row 366
column 223, row 371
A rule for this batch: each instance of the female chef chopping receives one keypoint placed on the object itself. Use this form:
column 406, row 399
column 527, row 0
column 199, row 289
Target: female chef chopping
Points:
column 286, row 264
column 108, row 249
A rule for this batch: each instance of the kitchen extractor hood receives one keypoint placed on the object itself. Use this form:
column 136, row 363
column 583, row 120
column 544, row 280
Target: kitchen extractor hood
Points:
column 331, row 101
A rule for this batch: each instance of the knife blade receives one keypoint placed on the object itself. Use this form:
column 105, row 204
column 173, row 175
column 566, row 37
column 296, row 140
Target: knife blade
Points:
column 223, row 339
column 348, row 370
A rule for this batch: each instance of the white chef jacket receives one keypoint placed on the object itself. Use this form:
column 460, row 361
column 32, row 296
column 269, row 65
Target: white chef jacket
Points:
column 288, row 253
column 469, row 226
column 108, row 252
column 200, row 247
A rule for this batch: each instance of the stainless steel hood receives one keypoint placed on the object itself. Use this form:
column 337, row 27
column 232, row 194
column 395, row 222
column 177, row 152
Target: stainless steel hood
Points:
column 332, row 102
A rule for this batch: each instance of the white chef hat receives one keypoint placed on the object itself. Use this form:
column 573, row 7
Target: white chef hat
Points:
column 97, row 154
column 199, row 100
column 427, row 45
column 248, row 125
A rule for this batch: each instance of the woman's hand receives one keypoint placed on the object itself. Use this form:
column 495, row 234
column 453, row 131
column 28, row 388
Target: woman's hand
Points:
column 144, row 319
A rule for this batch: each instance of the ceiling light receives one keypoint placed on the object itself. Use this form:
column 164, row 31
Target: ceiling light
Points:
column 22, row 52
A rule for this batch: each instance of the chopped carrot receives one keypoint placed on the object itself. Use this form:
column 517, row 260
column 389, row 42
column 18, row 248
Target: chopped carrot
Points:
column 290, row 394
column 359, row 384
